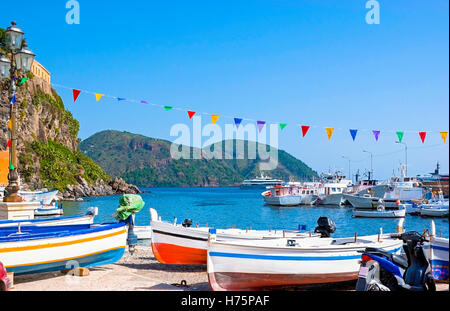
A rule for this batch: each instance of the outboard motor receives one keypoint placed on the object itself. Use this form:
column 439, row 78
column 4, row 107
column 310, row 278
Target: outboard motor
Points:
column 325, row 227
column 187, row 223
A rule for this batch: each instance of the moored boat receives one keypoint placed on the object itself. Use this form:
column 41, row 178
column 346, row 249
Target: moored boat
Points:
column 380, row 213
column 437, row 250
column 46, row 198
column 182, row 244
column 48, row 210
column 283, row 195
column 35, row 249
column 266, row 264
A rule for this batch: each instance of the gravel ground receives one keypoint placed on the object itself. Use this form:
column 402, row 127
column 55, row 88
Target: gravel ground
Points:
column 141, row 271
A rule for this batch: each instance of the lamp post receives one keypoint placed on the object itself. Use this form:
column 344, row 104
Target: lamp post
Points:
column 406, row 155
column 371, row 163
column 349, row 170
column 18, row 58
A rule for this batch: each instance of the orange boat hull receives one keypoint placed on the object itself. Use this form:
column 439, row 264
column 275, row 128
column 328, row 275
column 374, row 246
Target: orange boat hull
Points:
column 178, row 255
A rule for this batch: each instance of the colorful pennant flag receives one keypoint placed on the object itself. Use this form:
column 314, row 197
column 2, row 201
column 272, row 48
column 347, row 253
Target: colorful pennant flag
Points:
column 24, row 79
column 10, row 124
column 98, row 96
column 120, row 99
column 282, row 125
column 444, row 136
column 400, row 136
column 8, row 144
column 376, row 134
column 237, row 122
column 143, row 102
column 214, row 118
column 191, row 114
column 330, row 131
column 167, row 108
column 13, row 99
column 11, row 167
column 353, row 133
column 76, row 93
column 422, row 136
column 260, row 125
column 305, row 129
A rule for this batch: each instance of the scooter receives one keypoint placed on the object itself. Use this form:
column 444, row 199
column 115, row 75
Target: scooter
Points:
column 383, row 271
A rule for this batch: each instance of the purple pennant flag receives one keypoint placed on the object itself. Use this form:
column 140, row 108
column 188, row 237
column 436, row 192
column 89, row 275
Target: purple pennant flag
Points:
column 237, row 121
column 143, row 102
column 376, row 134
column 261, row 125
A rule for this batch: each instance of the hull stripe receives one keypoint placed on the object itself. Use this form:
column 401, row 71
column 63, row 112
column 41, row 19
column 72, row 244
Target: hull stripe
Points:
column 271, row 257
column 180, row 235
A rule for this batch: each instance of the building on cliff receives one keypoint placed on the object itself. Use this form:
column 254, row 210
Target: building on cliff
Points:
column 42, row 76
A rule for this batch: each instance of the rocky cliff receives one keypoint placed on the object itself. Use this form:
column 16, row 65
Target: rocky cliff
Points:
column 48, row 154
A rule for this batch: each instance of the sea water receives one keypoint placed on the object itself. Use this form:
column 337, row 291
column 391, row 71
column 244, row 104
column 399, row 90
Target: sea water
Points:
column 225, row 207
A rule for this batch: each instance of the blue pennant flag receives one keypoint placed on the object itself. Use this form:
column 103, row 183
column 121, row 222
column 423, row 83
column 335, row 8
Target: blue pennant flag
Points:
column 237, row 121
column 119, row 99
column 353, row 133
column 13, row 99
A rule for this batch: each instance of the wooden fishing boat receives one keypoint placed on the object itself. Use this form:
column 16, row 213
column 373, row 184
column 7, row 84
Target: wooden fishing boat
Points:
column 36, row 249
column 88, row 218
column 48, row 210
column 283, row 195
column 182, row 244
column 267, row 264
column 46, row 198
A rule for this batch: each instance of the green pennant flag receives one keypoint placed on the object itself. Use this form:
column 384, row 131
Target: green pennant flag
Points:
column 400, row 136
column 283, row 125
column 24, row 79
column 11, row 167
column 168, row 108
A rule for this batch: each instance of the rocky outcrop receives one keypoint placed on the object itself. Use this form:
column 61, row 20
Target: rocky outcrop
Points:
column 101, row 188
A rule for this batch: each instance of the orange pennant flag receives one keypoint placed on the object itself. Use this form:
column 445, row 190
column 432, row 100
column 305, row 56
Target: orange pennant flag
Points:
column 214, row 118
column 444, row 136
column 98, row 96
column 330, row 131
column 10, row 124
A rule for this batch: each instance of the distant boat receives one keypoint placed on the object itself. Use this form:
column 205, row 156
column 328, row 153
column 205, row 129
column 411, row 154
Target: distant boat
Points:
column 48, row 210
column 438, row 207
column 283, row 195
column 182, row 244
column 35, row 249
column 88, row 218
column 362, row 201
column 269, row 264
column 260, row 182
column 380, row 213
column 332, row 188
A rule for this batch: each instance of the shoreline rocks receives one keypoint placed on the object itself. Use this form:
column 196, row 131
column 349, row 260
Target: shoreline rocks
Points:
column 83, row 189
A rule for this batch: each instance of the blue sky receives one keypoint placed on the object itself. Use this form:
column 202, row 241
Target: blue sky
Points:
column 315, row 63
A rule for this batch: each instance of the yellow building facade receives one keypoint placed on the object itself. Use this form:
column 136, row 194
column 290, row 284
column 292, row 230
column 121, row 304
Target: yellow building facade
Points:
column 41, row 77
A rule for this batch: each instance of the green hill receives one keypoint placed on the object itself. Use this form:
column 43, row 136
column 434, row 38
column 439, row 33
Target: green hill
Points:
column 146, row 162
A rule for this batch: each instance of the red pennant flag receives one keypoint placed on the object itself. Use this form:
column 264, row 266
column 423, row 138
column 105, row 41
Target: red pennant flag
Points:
column 191, row 114
column 8, row 144
column 76, row 93
column 305, row 129
column 422, row 136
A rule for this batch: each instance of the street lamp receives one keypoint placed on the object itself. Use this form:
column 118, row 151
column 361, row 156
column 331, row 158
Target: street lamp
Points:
column 371, row 163
column 406, row 155
column 349, row 170
column 18, row 59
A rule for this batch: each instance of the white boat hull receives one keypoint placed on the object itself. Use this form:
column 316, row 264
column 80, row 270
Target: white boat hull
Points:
column 287, row 200
column 438, row 255
column 260, row 265
column 380, row 214
column 45, row 198
column 332, row 199
column 361, row 201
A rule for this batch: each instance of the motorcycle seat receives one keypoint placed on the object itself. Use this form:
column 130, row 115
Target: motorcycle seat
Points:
column 400, row 261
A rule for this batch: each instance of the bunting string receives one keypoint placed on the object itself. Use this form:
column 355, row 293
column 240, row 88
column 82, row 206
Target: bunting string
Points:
column 261, row 124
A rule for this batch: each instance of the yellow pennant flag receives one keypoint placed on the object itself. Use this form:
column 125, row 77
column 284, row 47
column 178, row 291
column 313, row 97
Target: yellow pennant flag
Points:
column 98, row 96
column 10, row 124
column 214, row 118
column 444, row 136
column 329, row 132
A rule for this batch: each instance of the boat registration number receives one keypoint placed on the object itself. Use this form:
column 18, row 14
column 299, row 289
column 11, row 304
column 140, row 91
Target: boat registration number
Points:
column 363, row 271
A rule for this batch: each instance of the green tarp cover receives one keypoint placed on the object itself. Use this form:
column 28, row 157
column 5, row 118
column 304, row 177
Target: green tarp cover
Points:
column 128, row 205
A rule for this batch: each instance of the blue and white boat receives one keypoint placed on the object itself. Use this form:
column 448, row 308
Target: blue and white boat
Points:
column 36, row 249
column 437, row 250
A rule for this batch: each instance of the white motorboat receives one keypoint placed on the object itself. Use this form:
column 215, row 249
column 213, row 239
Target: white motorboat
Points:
column 380, row 212
column 48, row 210
column 437, row 207
column 332, row 188
column 362, row 201
column 283, row 195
